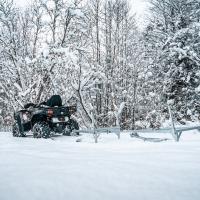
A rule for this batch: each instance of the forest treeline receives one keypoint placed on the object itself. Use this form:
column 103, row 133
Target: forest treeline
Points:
column 92, row 53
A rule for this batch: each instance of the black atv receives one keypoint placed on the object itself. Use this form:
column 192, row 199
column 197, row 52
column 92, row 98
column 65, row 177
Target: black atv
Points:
column 45, row 118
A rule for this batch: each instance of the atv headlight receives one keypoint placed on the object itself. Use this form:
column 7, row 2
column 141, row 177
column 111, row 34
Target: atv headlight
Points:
column 25, row 117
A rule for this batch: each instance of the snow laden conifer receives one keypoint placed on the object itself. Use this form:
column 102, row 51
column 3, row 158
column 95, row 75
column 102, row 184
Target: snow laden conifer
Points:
column 174, row 34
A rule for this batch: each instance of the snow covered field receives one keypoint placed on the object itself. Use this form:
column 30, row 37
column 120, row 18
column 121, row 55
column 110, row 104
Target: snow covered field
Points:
column 60, row 169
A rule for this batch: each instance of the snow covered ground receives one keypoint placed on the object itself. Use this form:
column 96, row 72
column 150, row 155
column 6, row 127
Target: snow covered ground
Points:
column 60, row 169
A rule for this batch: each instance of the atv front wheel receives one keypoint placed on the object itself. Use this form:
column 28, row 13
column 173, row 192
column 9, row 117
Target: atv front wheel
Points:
column 16, row 131
column 41, row 130
column 73, row 125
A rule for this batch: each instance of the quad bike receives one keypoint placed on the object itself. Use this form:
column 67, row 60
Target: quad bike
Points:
column 45, row 118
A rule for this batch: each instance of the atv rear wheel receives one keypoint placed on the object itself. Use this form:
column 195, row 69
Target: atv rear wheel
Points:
column 73, row 125
column 41, row 130
column 16, row 131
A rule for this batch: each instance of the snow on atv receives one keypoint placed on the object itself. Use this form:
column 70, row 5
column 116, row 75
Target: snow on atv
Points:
column 45, row 118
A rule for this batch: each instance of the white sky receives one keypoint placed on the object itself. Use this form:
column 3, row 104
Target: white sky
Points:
column 140, row 7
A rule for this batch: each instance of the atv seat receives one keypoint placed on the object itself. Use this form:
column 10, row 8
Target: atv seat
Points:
column 55, row 100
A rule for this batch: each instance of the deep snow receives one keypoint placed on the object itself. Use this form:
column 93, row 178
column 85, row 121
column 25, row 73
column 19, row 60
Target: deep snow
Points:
column 60, row 169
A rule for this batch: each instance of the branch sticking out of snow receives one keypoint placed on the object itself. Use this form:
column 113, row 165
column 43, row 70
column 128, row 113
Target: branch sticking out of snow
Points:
column 118, row 112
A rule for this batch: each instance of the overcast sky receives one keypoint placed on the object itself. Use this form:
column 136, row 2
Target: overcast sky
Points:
column 139, row 7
